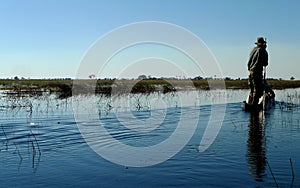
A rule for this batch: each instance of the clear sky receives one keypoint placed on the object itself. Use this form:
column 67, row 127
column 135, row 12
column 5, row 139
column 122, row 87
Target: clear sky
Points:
column 48, row 38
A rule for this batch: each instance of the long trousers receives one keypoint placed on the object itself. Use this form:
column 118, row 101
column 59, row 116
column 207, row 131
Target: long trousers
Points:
column 256, row 86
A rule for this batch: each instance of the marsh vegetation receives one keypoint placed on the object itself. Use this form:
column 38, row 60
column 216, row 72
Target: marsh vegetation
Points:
column 64, row 87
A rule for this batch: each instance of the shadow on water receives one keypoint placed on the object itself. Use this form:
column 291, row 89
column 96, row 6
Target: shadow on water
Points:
column 256, row 146
column 256, row 155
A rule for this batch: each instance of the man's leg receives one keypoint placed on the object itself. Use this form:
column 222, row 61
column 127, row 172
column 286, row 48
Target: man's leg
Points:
column 258, row 88
column 251, row 86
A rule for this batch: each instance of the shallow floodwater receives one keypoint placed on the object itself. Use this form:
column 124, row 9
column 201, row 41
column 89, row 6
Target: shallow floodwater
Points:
column 42, row 146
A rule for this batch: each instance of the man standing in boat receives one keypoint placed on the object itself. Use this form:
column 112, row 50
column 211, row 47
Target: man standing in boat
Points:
column 258, row 59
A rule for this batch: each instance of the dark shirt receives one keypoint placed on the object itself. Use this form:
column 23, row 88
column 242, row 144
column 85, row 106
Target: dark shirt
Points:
column 257, row 59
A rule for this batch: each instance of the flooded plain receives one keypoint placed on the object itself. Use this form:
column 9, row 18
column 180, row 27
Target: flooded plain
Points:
column 41, row 144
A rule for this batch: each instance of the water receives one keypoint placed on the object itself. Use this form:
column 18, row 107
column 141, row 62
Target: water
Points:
column 41, row 144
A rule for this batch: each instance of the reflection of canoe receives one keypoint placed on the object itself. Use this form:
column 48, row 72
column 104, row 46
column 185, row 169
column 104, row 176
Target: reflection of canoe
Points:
column 266, row 102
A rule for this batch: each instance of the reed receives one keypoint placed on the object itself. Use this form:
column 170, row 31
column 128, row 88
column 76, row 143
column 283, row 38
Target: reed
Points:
column 272, row 173
column 292, row 168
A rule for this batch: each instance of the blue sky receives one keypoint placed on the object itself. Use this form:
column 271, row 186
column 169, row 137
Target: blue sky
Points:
column 48, row 38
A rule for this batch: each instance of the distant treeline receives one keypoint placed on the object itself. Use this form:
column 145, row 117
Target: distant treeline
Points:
column 64, row 87
column 144, row 77
column 198, row 83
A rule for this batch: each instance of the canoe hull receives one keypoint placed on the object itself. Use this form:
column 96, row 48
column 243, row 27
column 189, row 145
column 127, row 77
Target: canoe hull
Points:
column 265, row 103
column 250, row 107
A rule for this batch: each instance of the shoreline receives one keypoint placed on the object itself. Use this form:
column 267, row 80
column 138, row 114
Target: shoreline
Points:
column 65, row 87
column 198, row 84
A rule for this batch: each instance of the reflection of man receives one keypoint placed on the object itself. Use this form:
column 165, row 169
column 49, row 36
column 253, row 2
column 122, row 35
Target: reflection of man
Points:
column 256, row 146
column 258, row 58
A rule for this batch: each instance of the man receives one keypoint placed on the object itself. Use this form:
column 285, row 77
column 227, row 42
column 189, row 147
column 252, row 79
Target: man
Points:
column 258, row 58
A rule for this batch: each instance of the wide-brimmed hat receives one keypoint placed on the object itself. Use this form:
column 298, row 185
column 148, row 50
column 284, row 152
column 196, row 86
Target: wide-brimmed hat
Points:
column 260, row 40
